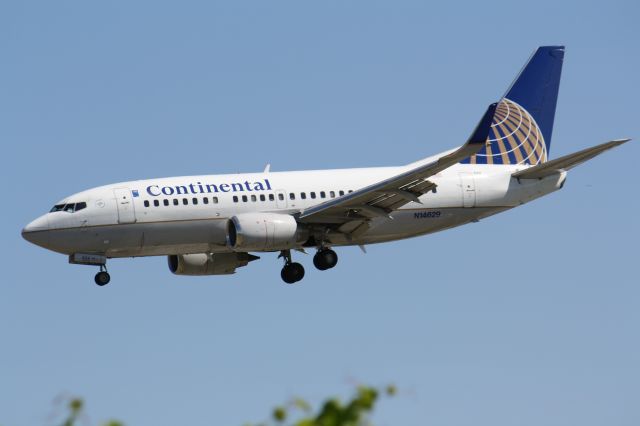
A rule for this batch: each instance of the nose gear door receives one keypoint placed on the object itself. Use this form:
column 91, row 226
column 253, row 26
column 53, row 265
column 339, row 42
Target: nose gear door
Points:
column 126, row 211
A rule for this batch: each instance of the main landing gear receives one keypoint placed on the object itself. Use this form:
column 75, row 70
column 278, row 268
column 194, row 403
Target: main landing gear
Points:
column 102, row 277
column 292, row 272
column 325, row 259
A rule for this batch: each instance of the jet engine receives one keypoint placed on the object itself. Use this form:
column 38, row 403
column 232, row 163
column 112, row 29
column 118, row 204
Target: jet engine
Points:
column 264, row 231
column 208, row 263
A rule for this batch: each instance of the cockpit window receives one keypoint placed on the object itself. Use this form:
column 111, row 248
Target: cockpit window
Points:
column 69, row 208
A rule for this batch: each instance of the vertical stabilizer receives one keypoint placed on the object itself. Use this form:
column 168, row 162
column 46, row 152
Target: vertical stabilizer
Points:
column 523, row 123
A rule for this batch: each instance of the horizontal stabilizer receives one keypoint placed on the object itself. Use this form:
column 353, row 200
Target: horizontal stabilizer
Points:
column 567, row 162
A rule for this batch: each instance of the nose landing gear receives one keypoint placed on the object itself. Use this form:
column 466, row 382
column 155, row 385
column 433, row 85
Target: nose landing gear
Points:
column 102, row 277
column 92, row 259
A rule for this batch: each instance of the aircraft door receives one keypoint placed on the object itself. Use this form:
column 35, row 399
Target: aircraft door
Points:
column 468, row 186
column 126, row 211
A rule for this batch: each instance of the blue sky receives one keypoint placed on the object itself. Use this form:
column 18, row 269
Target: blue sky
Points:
column 527, row 318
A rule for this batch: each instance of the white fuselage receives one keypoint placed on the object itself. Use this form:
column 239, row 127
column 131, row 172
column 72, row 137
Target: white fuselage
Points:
column 183, row 215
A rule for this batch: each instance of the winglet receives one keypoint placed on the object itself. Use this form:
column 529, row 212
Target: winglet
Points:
column 481, row 132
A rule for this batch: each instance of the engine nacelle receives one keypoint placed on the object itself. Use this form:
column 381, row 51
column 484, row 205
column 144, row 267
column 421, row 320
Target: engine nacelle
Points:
column 208, row 263
column 264, row 231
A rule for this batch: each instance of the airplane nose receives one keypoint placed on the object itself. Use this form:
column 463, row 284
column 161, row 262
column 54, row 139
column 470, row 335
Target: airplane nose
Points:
column 37, row 232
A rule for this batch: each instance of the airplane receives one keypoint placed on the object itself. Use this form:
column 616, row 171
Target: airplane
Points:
column 211, row 224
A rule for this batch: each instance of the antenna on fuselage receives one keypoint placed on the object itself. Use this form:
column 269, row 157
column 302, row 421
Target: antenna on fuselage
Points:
column 267, row 168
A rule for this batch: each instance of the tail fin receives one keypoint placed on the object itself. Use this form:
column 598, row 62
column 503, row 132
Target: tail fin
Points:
column 523, row 123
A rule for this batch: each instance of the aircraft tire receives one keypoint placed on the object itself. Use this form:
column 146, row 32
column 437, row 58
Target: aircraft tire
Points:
column 102, row 278
column 292, row 273
column 325, row 259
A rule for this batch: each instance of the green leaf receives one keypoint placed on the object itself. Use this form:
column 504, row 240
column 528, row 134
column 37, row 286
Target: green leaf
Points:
column 279, row 414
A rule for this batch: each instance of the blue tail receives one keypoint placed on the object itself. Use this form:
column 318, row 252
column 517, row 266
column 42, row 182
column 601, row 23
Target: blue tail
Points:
column 522, row 126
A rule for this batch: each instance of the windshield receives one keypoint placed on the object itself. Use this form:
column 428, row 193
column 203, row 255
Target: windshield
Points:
column 69, row 207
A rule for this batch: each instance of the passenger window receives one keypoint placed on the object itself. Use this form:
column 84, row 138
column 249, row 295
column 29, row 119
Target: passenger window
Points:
column 235, row 198
column 80, row 206
column 341, row 193
column 323, row 194
column 292, row 196
column 350, row 191
column 165, row 202
column 146, row 203
column 254, row 198
column 281, row 197
column 195, row 201
column 262, row 197
column 205, row 200
column 156, row 203
column 332, row 194
column 303, row 195
column 215, row 200
column 175, row 202
column 271, row 197
column 185, row 201
column 313, row 195
column 244, row 199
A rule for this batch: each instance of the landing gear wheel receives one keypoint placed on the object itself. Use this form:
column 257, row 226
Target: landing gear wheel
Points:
column 292, row 273
column 102, row 278
column 325, row 259
column 298, row 270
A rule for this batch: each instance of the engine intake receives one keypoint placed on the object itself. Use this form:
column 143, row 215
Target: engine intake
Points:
column 264, row 231
column 208, row 263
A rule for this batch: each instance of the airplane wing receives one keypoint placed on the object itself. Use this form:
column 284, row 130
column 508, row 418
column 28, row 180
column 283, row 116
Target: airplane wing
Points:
column 567, row 162
column 351, row 212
